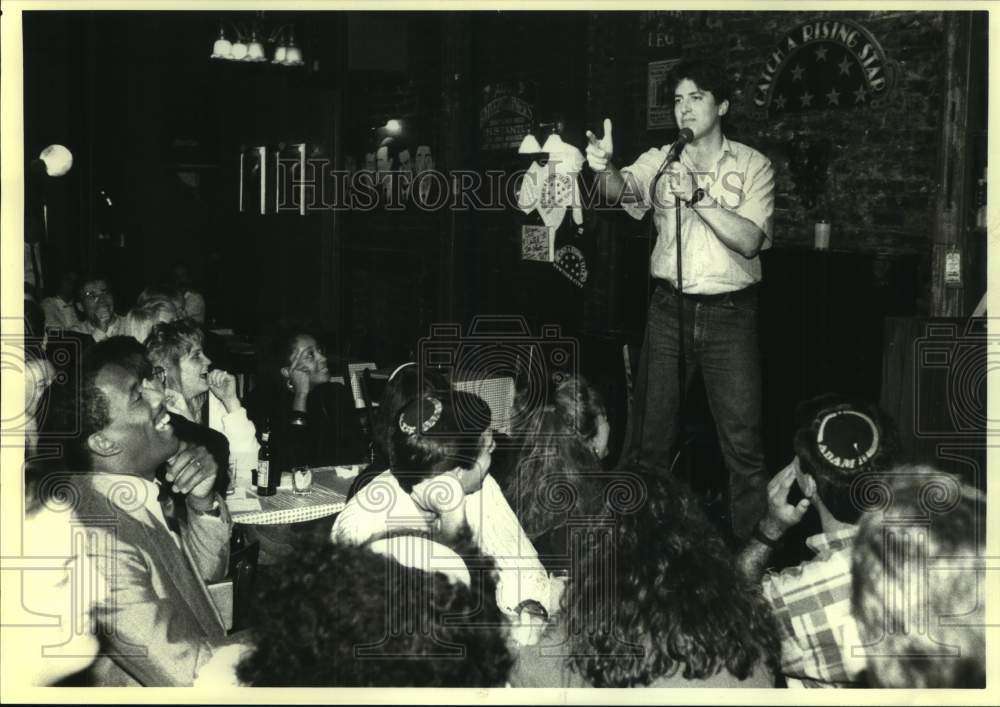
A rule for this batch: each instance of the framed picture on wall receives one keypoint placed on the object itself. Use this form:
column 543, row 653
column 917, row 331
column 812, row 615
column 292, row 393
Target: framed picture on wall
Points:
column 659, row 105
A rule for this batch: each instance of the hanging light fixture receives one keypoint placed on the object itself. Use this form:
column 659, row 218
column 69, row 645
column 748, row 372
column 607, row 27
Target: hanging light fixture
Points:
column 293, row 55
column 250, row 44
column 255, row 50
column 223, row 48
column 239, row 50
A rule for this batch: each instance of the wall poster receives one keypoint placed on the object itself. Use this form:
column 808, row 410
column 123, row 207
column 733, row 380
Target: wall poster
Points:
column 659, row 105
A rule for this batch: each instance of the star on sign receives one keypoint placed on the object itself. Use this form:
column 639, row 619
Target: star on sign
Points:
column 859, row 95
column 845, row 66
column 797, row 73
column 833, row 97
column 821, row 53
column 780, row 102
column 807, row 99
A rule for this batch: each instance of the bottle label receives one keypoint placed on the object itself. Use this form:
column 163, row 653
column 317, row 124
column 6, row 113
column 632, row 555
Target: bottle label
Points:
column 953, row 268
column 262, row 473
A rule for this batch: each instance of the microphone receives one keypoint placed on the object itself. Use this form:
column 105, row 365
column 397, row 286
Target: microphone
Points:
column 684, row 136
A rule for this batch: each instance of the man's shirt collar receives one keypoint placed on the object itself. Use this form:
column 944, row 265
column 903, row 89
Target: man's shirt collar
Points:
column 831, row 542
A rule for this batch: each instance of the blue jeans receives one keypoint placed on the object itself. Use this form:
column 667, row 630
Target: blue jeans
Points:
column 720, row 340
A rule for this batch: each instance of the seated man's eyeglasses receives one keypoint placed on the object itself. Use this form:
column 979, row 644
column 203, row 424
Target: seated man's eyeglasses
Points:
column 94, row 294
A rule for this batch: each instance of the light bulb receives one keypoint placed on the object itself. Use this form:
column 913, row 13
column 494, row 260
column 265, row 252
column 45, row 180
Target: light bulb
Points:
column 239, row 51
column 293, row 56
column 279, row 55
column 553, row 144
column 57, row 159
column 529, row 145
column 255, row 52
column 222, row 49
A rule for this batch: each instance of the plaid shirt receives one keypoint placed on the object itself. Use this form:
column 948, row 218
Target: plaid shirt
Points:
column 812, row 605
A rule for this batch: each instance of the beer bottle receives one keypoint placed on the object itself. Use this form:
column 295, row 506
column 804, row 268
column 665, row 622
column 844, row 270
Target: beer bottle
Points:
column 267, row 479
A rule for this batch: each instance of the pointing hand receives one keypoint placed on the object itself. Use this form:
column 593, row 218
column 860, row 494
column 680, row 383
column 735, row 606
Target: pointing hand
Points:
column 600, row 151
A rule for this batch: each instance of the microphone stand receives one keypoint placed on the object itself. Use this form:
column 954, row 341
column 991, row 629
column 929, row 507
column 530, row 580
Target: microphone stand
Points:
column 672, row 155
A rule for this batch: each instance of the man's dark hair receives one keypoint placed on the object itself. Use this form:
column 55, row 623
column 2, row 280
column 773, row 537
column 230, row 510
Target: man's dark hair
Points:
column 82, row 407
column 343, row 615
column 706, row 75
column 657, row 592
column 836, row 440
column 88, row 278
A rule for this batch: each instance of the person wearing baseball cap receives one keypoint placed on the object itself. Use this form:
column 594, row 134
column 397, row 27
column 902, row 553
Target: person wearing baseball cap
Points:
column 838, row 443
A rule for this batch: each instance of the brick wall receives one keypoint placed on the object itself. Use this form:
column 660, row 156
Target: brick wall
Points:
column 880, row 185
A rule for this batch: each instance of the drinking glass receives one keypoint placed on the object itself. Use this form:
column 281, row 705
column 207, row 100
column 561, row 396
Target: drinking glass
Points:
column 302, row 479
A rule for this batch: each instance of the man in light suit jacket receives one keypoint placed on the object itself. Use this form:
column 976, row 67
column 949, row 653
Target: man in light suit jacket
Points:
column 158, row 624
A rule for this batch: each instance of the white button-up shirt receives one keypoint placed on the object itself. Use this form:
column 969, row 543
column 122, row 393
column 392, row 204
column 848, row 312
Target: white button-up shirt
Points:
column 742, row 181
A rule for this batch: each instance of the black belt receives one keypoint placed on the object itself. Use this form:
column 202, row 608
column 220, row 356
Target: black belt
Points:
column 747, row 293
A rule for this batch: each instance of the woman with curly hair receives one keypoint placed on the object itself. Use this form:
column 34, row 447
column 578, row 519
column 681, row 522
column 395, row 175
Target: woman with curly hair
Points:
column 654, row 600
column 399, row 611
column 562, row 444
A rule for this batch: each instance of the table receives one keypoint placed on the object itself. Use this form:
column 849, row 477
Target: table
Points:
column 328, row 496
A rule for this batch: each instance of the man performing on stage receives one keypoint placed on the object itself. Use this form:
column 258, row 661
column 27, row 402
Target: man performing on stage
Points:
column 725, row 193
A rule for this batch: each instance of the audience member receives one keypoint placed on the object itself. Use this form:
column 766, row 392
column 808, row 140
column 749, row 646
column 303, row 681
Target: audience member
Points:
column 52, row 582
column 157, row 292
column 195, row 309
column 139, row 321
column 194, row 306
column 561, row 444
column 158, row 620
column 407, row 613
column 60, row 307
column 38, row 375
column 205, row 397
column 312, row 420
column 919, row 592
column 448, row 634
column 96, row 304
column 184, row 429
column 439, row 483
column 836, row 441
column 654, row 600
column 408, row 382
column 62, row 344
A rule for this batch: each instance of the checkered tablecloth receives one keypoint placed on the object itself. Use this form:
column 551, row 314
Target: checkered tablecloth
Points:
column 328, row 495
